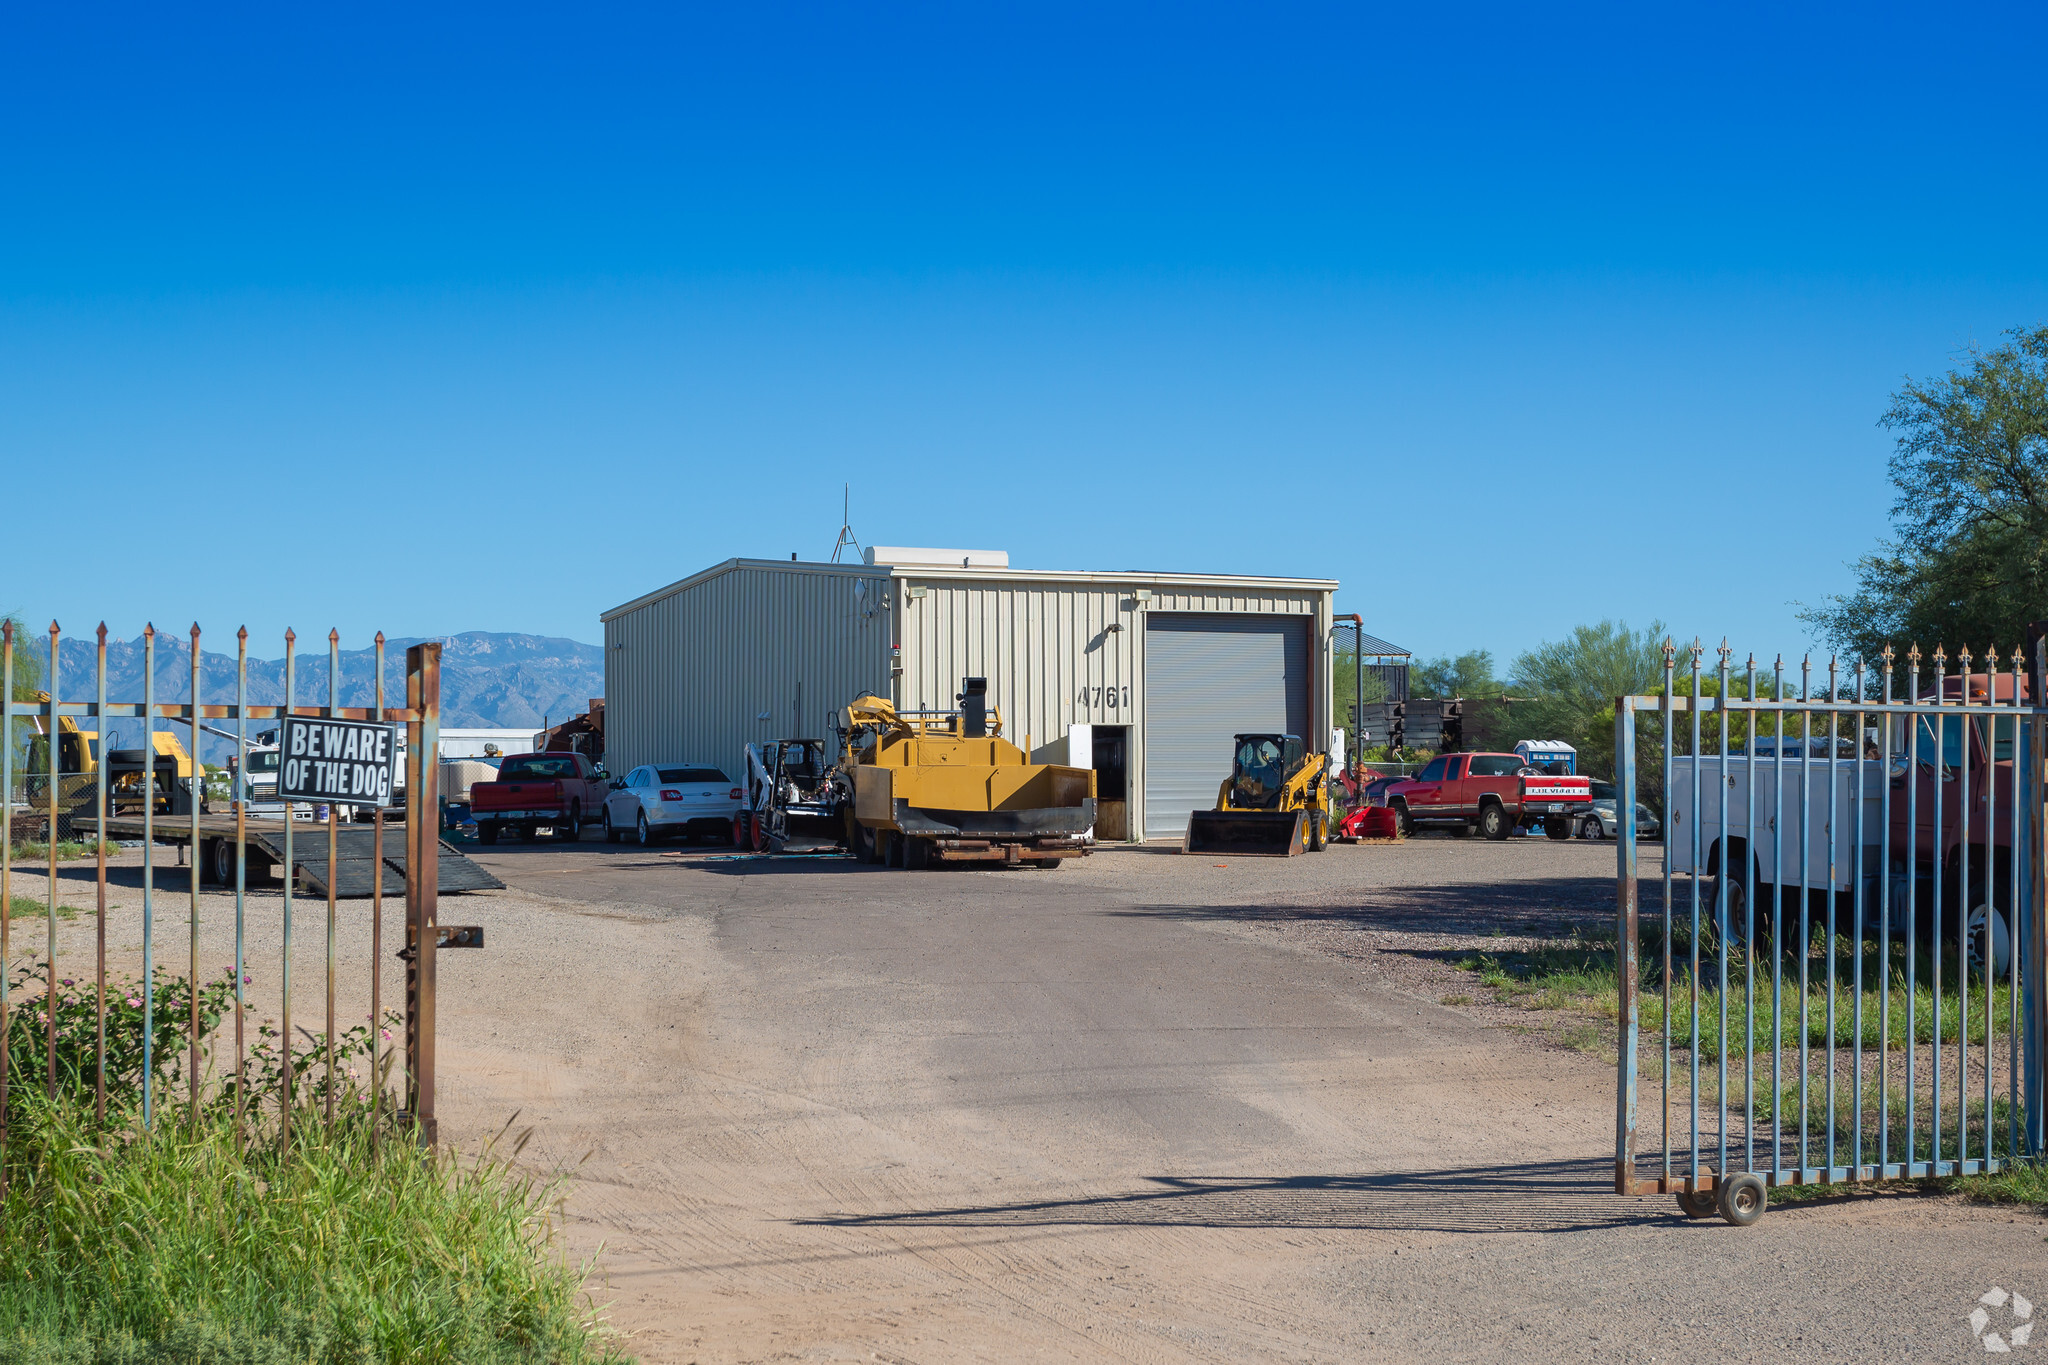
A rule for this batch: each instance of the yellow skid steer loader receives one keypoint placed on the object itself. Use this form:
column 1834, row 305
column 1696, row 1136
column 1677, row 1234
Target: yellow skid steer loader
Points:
column 1274, row 804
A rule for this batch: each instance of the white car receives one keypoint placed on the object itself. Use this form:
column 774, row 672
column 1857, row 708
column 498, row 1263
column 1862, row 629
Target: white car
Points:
column 1600, row 822
column 659, row 799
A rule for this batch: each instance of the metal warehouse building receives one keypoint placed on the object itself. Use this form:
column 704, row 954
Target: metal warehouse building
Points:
column 1142, row 676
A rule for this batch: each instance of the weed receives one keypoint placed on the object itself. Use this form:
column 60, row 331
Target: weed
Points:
column 120, row 1245
column 1590, row 1038
column 27, row 907
column 68, row 851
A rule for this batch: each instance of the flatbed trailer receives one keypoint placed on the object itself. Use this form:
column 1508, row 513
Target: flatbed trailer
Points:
column 355, row 850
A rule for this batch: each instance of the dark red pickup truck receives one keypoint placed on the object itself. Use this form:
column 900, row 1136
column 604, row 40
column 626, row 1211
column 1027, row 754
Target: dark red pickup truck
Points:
column 1492, row 793
column 560, row 791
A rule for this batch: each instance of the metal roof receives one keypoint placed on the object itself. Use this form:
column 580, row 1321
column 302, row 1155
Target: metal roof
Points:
column 1373, row 647
column 1129, row 577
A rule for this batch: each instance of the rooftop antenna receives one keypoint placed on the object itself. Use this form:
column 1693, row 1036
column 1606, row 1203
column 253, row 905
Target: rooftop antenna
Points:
column 846, row 535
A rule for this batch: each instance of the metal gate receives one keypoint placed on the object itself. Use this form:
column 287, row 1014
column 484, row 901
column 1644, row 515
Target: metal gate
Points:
column 1842, row 980
column 48, row 799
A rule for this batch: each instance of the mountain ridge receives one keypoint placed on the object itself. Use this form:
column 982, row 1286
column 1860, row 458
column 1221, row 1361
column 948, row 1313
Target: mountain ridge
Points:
column 489, row 679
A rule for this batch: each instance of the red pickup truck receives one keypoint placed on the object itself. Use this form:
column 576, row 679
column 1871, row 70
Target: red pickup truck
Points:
column 557, row 790
column 1495, row 794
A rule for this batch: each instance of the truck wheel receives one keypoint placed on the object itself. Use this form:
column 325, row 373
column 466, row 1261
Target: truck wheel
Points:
column 572, row 829
column 864, row 845
column 223, row 861
column 487, row 832
column 1989, row 938
column 917, row 854
column 528, row 831
column 1404, row 820
column 1557, row 827
column 1494, row 822
column 1050, row 864
column 1737, row 909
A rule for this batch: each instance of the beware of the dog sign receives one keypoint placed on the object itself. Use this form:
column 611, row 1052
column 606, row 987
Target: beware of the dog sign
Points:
column 345, row 762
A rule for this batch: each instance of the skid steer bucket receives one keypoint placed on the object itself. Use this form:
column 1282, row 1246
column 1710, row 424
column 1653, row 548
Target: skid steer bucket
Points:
column 1245, row 833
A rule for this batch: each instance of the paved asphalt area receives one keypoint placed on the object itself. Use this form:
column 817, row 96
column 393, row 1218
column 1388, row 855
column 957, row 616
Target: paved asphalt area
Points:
column 1122, row 1111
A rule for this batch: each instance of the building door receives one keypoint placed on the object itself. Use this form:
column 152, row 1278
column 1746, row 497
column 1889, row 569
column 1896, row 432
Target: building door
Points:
column 1112, row 783
column 1208, row 677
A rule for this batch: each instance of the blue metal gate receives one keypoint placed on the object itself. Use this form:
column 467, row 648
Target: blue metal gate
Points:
column 1841, row 981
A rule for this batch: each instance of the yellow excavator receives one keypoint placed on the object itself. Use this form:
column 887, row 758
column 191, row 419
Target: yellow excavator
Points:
column 925, row 787
column 129, row 785
column 1274, row 804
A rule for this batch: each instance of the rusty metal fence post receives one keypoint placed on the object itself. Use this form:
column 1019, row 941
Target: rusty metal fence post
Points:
column 422, row 880
column 6, row 875
column 1627, row 945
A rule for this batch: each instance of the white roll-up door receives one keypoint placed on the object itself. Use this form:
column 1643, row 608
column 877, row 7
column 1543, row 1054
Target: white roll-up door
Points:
column 1208, row 677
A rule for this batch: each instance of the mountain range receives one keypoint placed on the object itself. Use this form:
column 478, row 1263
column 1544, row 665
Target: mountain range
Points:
column 488, row 678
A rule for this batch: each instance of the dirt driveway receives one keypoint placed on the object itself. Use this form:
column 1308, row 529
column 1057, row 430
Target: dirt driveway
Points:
column 1143, row 1108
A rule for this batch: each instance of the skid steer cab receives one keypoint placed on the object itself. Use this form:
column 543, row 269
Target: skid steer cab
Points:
column 1274, row 804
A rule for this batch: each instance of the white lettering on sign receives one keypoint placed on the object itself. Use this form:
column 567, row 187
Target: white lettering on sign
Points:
column 348, row 763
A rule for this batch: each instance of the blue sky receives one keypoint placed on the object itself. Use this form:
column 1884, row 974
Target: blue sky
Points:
column 495, row 318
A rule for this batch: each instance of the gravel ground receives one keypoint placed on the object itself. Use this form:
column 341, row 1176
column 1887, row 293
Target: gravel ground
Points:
column 1144, row 1108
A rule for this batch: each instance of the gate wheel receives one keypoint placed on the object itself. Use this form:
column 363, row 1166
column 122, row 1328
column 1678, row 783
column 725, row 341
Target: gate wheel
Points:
column 1700, row 1204
column 1742, row 1199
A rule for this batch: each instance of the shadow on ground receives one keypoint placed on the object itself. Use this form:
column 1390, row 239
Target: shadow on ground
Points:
column 1555, row 1196
column 1544, row 906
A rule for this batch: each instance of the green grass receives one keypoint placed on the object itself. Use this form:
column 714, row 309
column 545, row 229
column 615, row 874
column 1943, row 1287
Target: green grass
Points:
column 28, row 907
column 68, row 851
column 2027, row 1184
column 125, row 1247
column 1579, row 975
column 2024, row 1186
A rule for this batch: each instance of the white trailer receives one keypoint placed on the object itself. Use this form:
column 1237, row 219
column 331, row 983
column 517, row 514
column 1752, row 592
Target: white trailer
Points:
column 1837, row 850
column 1826, row 791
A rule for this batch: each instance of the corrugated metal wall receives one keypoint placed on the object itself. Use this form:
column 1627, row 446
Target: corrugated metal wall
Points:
column 1051, row 656
column 688, row 675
